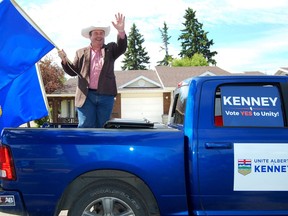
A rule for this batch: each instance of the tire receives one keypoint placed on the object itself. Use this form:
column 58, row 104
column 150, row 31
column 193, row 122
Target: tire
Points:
column 109, row 198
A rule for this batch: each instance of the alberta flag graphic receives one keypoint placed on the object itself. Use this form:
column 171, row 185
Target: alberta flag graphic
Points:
column 244, row 166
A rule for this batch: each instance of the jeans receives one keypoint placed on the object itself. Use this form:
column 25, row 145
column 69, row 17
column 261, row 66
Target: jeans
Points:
column 95, row 111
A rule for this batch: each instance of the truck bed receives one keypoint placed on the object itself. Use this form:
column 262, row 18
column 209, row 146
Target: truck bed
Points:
column 64, row 154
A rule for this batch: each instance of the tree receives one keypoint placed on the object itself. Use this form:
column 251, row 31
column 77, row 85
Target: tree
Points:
column 164, row 34
column 135, row 58
column 196, row 60
column 53, row 79
column 52, row 75
column 194, row 38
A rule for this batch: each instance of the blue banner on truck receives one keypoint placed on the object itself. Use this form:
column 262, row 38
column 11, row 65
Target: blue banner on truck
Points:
column 251, row 106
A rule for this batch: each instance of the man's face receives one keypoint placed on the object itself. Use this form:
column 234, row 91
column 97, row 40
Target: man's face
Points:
column 97, row 36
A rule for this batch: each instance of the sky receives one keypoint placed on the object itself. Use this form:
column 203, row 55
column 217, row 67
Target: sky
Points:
column 248, row 35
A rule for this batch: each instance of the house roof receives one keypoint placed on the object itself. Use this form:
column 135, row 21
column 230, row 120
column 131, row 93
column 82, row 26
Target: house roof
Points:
column 283, row 71
column 123, row 78
column 163, row 77
column 254, row 73
column 284, row 68
column 69, row 87
column 171, row 76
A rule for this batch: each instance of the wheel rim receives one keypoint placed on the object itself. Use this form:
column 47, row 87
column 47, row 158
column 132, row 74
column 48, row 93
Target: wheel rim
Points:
column 108, row 206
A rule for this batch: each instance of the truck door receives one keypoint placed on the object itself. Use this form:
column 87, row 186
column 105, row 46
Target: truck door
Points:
column 242, row 145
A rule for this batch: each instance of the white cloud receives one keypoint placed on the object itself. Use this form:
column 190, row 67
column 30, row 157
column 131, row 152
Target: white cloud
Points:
column 255, row 55
column 62, row 21
column 257, row 4
column 242, row 11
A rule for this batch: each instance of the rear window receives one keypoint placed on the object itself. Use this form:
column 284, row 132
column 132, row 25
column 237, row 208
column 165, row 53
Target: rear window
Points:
column 256, row 106
column 178, row 110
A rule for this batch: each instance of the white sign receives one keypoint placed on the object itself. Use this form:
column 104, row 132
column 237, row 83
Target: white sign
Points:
column 261, row 167
column 7, row 200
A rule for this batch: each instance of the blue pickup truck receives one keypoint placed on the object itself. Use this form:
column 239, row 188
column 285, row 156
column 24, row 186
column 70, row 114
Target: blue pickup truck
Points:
column 224, row 152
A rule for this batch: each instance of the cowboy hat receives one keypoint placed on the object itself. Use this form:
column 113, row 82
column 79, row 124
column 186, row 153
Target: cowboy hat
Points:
column 85, row 32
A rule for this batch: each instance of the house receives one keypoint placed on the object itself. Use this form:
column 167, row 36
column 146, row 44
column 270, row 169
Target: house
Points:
column 141, row 93
column 283, row 71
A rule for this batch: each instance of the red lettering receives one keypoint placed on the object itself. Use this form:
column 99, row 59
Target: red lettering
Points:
column 246, row 113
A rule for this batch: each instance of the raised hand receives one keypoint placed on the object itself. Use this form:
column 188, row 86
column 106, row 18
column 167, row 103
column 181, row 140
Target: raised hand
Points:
column 120, row 22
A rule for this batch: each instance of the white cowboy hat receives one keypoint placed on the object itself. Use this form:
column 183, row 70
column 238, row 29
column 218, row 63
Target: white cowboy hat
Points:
column 85, row 32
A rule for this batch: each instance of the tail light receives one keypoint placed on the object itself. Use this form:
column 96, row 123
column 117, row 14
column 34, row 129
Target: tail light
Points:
column 7, row 170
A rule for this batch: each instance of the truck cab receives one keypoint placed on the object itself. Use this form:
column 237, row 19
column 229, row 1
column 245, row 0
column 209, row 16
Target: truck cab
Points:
column 237, row 144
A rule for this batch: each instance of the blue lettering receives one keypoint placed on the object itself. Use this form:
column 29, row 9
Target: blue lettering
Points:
column 270, row 169
column 257, row 168
column 277, row 169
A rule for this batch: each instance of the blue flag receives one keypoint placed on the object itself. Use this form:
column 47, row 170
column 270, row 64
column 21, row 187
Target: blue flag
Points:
column 21, row 44
column 22, row 100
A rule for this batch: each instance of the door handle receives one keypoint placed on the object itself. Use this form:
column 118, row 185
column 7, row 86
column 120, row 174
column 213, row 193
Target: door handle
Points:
column 218, row 145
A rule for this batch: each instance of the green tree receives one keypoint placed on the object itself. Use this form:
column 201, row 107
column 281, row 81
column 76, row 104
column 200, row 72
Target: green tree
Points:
column 194, row 38
column 40, row 122
column 196, row 60
column 135, row 58
column 165, row 38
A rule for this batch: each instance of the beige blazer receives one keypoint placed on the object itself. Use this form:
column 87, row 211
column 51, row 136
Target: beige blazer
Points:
column 81, row 67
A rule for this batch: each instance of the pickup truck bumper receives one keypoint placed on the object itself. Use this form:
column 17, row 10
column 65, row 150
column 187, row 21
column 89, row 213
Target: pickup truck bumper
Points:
column 11, row 203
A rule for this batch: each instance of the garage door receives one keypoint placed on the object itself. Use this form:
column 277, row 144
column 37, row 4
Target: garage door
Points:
column 139, row 106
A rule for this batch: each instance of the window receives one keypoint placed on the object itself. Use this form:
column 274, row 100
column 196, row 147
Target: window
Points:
column 178, row 110
column 253, row 105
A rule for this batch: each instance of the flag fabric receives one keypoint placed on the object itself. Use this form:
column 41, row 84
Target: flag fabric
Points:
column 22, row 100
column 21, row 43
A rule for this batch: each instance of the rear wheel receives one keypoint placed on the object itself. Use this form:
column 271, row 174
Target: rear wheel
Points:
column 109, row 198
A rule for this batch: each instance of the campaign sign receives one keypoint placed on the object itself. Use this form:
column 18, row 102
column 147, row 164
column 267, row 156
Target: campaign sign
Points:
column 251, row 106
column 260, row 167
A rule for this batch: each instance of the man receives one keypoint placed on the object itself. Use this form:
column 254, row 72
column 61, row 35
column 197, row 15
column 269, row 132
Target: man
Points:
column 94, row 66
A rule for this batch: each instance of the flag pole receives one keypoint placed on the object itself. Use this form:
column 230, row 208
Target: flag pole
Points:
column 39, row 75
column 23, row 13
column 39, row 30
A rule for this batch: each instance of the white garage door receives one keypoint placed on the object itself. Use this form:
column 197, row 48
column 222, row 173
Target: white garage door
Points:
column 139, row 106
